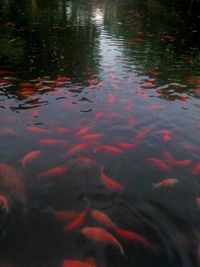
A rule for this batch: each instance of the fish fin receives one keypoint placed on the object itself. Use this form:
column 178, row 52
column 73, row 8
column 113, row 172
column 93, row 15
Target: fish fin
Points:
column 122, row 252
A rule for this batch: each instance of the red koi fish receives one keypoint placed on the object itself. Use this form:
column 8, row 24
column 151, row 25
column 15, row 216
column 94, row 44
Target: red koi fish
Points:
column 109, row 183
column 65, row 215
column 99, row 115
column 182, row 163
column 102, row 218
column 83, row 131
column 4, row 203
column 8, row 131
column 111, row 100
column 126, row 145
column 198, row 202
column 63, row 129
column 196, row 169
column 86, row 161
column 107, row 148
column 166, row 135
column 166, row 182
column 76, row 222
column 160, row 164
column 75, row 263
column 142, row 134
column 51, row 142
column 101, row 235
column 77, row 148
column 91, row 137
column 60, row 170
column 30, row 156
column 132, row 237
column 129, row 106
column 168, row 156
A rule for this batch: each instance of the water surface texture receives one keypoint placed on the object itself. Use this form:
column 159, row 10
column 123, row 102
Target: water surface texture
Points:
column 99, row 112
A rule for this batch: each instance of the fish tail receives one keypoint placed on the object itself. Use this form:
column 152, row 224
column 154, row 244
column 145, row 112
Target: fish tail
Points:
column 155, row 186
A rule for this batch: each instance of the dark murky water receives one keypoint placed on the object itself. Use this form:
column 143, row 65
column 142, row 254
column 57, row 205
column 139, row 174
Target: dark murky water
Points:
column 99, row 88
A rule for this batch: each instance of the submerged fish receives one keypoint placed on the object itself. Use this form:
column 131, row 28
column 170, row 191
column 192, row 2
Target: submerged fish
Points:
column 4, row 203
column 166, row 182
column 77, row 148
column 108, row 148
column 59, row 170
column 101, row 235
column 30, row 156
column 102, row 218
column 37, row 130
column 77, row 221
column 159, row 163
column 196, row 169
column 110, row 183
column 77, row 263
column 83, row 130
column 65, row 214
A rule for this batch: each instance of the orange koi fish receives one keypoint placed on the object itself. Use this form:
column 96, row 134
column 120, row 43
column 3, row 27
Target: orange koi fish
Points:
column 166, row 135
column 66, row 215
column 4, row 203
column 54, row 171
column 196, row 169
column 77, row 148
column 142, row 134
column 75, row 263
column 107, row 148
column 159, row 163
column 76, row 222
column 101, row 235
column 109, row 183
column 126, row 145
column 37, row 130
column 63, row 129
column 102, row 218
column 30, row 156
column 132, row 237
column 83, row 131
column 166, row 182
column 91, row 137
column 111, row 100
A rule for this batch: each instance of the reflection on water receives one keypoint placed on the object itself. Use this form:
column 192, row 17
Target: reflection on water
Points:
column 99, row 135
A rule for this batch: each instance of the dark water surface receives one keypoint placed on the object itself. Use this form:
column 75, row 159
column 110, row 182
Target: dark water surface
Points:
column 99, row 88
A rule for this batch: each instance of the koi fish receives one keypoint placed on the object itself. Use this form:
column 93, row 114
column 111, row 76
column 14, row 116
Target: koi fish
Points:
column 107, row 148
column 126, row 145
column 75, row 263
column 90, row 137
column 99, row 114
column 101, row 235
column 159, row 163
column 37, row 130
column 63, row 129
column 111, row 100
column 182, row 163
column 30, row 156
column 76, row 222
column 198, row 202
column 83, row 131
column 51, row 142
column 66, row 215
column 76, row 148
column 132, row 237
column 129, row 106
column 166, row 135
column 168, row 156
column 86, row 161
column 196, row 169
column 11, row 182
column 166, row 182
column 109, row 183
column 102, row 218
column 4, row 203
column 60, row 170
column 9, row 131
column 142, row 134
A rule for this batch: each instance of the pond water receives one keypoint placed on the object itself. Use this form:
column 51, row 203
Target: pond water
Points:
column 100, row 115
